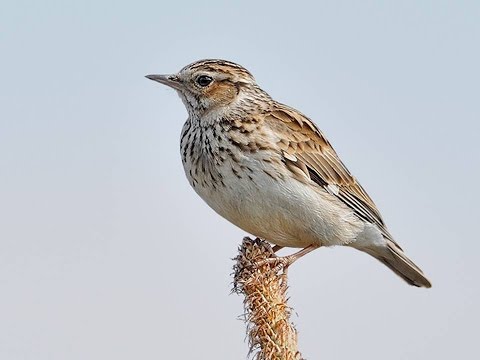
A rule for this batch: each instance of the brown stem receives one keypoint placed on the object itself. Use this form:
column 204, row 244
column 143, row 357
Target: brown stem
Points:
column 271, row 334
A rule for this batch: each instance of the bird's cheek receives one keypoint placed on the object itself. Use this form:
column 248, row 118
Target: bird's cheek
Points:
column 222, row 94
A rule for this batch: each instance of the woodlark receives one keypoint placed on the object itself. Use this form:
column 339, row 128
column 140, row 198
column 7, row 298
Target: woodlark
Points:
column 268, row 169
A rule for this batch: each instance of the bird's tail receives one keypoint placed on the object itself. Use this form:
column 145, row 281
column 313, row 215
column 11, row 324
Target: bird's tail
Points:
column 394, row 257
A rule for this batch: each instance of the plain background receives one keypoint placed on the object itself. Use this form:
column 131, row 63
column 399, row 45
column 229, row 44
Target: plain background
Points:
column 106, row 252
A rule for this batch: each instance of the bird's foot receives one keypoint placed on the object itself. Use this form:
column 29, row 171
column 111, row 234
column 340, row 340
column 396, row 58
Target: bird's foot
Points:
column 283, row 262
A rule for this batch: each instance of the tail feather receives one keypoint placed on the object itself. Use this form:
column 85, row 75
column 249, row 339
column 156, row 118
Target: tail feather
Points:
column 393, row 257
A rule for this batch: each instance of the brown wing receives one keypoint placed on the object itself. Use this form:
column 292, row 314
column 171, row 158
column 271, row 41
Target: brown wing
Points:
column 305, row 147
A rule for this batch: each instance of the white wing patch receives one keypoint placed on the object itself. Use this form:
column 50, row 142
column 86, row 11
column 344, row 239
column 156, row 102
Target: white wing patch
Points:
column 333, row 189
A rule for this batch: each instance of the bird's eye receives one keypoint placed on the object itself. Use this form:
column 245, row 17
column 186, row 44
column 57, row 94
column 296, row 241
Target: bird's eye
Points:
column 204, row 80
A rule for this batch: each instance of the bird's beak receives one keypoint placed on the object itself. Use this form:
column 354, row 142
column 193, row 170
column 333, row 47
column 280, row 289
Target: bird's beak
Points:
column 170, row 80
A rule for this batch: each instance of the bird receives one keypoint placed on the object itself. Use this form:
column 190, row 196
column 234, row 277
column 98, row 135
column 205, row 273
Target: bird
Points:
column 268, row 169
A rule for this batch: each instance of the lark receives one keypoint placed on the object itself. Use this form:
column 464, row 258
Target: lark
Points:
column 268, row 169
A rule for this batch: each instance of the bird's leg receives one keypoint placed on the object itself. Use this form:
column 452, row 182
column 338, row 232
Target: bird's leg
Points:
column 285, row 261
column 290, row 259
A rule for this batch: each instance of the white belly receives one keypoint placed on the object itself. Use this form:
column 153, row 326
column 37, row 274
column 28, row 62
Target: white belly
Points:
column 285, row 212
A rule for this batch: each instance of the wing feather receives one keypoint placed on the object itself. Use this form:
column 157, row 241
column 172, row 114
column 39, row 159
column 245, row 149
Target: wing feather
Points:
column 307, row 146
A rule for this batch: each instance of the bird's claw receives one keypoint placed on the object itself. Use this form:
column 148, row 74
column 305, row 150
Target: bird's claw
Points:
column 277, row 263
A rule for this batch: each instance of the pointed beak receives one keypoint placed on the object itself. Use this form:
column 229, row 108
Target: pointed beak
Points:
column 170, row 80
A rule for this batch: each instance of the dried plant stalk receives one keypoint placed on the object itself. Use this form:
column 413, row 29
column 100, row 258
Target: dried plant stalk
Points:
column 271, row 335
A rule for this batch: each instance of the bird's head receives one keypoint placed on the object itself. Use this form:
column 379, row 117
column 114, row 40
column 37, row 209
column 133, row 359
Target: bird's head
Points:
column 208, row 85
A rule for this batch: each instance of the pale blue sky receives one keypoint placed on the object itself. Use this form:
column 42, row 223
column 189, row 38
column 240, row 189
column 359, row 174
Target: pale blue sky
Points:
column 106, row 252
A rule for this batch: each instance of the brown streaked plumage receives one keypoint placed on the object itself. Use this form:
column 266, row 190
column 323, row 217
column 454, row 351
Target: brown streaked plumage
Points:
column 311, row 152
column 268, row 169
